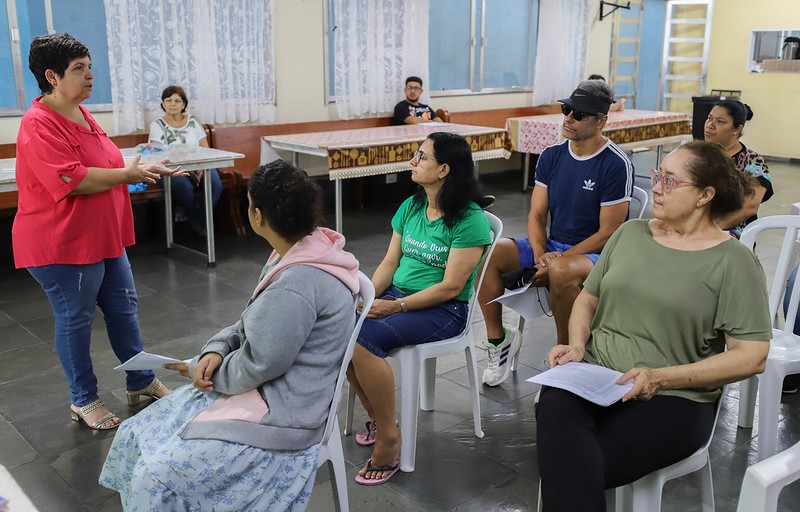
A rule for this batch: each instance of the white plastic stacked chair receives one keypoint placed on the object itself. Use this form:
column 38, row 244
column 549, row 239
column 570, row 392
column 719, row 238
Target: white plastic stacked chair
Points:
column 418, row 374
column 764, row 480
column 784, row 348
column 331, row 447
column 641, row 197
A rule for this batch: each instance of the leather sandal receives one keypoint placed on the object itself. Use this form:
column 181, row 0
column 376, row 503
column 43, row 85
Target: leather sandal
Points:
column 82, row 412
column 150, row 391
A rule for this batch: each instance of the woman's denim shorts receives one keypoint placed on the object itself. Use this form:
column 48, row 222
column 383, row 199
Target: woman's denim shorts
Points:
column 382, row 335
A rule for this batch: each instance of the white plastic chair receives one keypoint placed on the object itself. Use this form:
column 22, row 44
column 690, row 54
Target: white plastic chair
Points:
column 644, row 495
column 784, row 348
column 418, row 374
column 642, row 198
column 764, row 480
column 331, row 446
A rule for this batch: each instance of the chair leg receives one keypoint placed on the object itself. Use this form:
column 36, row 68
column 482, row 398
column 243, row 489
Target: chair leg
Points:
column 351, row 402
column 474, row 386
column 539, row 498
column 520, row 328
column 427, row 385
column 338, row 471
column 409, row 407
column 707, row 488
column 748, row 389
column 769, row 402
column 646, row 493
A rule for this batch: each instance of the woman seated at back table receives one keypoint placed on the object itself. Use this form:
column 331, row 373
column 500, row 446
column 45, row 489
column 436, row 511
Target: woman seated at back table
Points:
column 663, row 303
column 424, row 283
column 178, row 127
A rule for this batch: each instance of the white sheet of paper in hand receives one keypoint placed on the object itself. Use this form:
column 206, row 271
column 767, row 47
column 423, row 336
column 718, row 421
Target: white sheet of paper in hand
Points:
column 595, row 383
column 146, row 361
column 526, row 304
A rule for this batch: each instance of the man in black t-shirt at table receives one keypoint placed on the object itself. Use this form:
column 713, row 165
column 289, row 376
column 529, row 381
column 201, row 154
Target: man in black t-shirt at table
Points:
column 410, row 110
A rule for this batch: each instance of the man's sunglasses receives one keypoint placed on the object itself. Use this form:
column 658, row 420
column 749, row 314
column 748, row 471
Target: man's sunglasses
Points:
column 576, row 114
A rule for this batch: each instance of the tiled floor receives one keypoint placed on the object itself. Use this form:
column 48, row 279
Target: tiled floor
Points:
column 182, row 303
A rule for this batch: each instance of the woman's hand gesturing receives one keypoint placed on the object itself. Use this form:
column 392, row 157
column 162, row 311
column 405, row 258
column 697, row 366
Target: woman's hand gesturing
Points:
column 137, row 171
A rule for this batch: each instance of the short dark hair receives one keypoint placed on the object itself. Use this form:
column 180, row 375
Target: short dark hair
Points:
column 597, row 77
column 56, row 52
column 740, row 112
column 288, row 198
column 174, row 89
column 710, row 166
column 414, row 79
column 460, row 186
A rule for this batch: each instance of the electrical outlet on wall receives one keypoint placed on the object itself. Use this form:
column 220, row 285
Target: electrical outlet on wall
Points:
column 391, row 178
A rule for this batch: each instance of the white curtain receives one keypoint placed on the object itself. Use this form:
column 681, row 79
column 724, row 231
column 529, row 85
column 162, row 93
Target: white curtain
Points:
column 377, row 44
column 219, row 51
column 561, row 48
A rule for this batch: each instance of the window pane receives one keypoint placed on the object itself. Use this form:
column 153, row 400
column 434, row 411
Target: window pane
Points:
column 449, row 36
column 31, row 21
column 85, row 20
column 8, row 93
column 510, row 32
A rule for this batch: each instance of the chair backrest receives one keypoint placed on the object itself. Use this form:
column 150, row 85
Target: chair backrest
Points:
column 790, row 223
column 366, row 294
column 496, row 226
column 211, row 135
column 642, row 198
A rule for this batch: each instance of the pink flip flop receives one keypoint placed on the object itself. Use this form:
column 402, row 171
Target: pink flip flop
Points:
column 378, row 481
column 366, row 437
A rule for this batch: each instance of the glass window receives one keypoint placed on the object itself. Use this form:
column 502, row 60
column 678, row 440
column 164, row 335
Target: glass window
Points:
column 22, row 20
column 474, row 46
column 509, row 29
column 450, row 51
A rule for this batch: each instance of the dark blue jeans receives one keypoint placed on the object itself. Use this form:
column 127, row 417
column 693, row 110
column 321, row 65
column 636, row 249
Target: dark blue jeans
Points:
column 382, row 335
column 74, row 291
column 183, row 190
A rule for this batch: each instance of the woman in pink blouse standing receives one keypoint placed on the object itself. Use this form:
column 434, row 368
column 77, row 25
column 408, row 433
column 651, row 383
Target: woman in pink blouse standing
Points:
column 74, row 222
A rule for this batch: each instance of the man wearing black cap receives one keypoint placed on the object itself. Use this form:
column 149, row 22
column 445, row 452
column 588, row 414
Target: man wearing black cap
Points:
column 584, row 184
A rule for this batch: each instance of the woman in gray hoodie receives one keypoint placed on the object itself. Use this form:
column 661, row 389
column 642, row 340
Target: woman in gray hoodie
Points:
column 245, row 435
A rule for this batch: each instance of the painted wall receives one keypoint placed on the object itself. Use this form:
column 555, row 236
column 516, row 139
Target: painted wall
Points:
column 774, row 97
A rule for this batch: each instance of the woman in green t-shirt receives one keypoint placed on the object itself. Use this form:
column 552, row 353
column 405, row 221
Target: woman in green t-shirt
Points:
column 680, row 308
column 423, row 283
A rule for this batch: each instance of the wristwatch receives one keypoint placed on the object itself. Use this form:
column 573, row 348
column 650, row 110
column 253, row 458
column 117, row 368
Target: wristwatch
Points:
column 403, row 306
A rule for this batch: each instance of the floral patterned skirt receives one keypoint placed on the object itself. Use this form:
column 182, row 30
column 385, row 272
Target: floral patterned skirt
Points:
column 153, row 469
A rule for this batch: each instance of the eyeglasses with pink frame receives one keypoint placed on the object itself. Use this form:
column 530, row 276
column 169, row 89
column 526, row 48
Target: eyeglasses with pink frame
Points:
column 668, row 183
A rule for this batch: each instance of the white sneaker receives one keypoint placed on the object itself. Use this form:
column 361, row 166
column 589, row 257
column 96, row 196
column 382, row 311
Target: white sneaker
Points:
column 500, row 359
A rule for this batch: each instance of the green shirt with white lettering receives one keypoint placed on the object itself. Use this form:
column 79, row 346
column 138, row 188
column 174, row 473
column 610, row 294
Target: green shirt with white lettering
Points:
column 426, row 245
column 664, row 307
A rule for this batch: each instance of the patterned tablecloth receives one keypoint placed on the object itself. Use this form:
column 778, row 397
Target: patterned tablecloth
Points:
column 627, row 128
column 382, row 150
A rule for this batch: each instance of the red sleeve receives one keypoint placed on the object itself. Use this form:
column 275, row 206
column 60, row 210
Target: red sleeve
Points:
column 49, row 154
